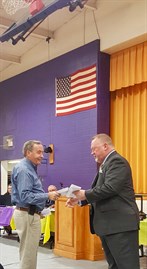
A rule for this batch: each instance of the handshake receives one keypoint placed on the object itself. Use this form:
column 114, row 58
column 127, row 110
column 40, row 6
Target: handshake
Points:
column 53, row 193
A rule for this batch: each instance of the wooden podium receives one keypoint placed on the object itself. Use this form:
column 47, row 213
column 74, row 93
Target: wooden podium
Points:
column 72, row 234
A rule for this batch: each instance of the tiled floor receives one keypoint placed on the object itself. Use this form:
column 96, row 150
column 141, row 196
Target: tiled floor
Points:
column 46, row 258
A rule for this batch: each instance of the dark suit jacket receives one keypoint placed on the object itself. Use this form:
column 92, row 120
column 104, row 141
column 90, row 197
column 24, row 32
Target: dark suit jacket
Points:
column 1, row 200
column 112, row 199
column 6, row 199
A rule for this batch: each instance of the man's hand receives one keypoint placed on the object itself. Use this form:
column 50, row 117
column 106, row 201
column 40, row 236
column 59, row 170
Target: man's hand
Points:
column 52, row 188
column 53, row 195
column 71, row 202
column 80, row 195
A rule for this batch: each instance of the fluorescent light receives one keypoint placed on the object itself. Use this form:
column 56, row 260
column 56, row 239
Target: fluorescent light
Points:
column 14, row 161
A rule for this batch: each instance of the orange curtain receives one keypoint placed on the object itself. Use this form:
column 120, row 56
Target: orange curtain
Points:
column 128, row 115
column 128, row 67
column 129, row 130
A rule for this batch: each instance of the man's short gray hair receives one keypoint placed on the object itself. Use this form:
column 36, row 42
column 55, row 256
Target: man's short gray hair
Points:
column 104, row 138
column 28, row 145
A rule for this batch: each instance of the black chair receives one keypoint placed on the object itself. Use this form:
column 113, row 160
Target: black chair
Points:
column 1, row 199
column 142, row 215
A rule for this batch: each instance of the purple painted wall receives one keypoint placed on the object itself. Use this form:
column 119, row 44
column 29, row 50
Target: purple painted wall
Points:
column 27, row 111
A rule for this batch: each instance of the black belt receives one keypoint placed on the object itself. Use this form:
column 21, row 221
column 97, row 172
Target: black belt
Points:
column 27, row 210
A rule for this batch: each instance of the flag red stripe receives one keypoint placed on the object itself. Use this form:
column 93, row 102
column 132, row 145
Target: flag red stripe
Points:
column 84, row 89
column 75, row 98
column 84, row 69
column 78, row 103
column 83, row 76
column 82, row 83
column 75, row 110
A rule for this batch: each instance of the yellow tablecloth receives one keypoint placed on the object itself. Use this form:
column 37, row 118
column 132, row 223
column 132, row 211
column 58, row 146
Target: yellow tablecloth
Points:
column 12, row 224
column 47, row 226
column 143, row 233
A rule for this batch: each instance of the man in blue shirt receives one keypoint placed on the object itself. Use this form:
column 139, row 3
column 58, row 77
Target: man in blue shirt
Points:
column 29, row 198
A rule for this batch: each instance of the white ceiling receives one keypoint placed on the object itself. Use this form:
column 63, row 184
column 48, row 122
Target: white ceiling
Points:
column 87, row 23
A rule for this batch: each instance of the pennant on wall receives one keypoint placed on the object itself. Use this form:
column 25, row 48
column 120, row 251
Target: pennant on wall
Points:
column 76, row 92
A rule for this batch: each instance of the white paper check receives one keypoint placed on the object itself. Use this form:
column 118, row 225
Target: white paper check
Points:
column 46, row 212
column 68, row 191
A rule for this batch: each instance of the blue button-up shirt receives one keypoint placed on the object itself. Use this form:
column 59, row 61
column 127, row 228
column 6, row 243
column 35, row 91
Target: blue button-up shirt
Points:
column 26, row 186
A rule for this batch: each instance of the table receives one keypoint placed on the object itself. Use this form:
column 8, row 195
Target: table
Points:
column 47, row 226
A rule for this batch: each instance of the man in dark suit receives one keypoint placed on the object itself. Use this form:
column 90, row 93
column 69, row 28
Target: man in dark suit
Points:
column 114, row 215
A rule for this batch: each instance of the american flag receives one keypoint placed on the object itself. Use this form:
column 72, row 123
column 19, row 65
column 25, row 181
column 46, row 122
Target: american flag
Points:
column 76, row 92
